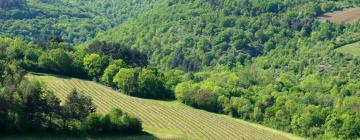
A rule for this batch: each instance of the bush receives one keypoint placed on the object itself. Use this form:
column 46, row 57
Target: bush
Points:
column 144, row 83
column 205, row 99
column 94, row 123
column 115, row 122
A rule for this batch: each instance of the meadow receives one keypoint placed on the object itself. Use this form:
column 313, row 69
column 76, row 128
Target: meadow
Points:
column 353, row 49
column 163, row 119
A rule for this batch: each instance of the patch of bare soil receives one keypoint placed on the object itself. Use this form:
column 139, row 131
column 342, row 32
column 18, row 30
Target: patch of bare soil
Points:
column 349, row 16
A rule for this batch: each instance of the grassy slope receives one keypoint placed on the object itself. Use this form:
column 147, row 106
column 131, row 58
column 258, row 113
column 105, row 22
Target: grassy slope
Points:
column 166, row 120
column 353, row 49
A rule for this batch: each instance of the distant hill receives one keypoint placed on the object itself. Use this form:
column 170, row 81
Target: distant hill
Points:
column 191, row 35
column 8, row 4
column 73, row 20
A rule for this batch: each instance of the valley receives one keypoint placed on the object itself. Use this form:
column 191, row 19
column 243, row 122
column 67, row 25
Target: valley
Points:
column 180, row 69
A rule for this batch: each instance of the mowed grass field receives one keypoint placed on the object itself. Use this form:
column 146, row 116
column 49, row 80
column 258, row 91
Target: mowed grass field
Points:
column 162, row 119
column 350, row 16
column 353, row 49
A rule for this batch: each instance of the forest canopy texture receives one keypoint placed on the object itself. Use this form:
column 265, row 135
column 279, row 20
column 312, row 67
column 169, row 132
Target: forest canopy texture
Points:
column 267, row 61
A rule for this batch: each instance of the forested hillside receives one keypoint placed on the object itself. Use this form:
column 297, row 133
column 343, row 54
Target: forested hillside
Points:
column 270, row 62
column 74, row 21
column 26, row 106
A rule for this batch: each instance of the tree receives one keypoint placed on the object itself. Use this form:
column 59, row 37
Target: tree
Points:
column 241, row 107
column 77, row 107
column 32, row 113
column 56, row 61
column 93, row 123
column 118, row 51
column 185, row 92
column 110, row 72
column 205, row 99
column 123, row 122
column 4, row 108
column 151, row 85
column 95, row 65
column 126, row 80
column 53, row 109
column 351, row 126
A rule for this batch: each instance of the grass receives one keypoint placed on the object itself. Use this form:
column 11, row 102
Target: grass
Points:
column 162, row 119
column 353, row 49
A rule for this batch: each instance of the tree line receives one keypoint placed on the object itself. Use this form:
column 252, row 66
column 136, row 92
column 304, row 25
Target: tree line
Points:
column 122, row 68
column 28, row 107
column 271, row 62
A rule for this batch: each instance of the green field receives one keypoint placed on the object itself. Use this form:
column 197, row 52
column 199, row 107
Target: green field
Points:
column 164, row 120
column 353, row 49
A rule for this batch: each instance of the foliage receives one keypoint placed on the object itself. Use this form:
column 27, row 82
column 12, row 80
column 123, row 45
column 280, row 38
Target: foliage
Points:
column 257, row 60
column 146, row 83
column 27, row 106
column 115, row 121
column 118, row 51
column 95, row 65
column 158, row 115
column 271, row 62
column 73, row 20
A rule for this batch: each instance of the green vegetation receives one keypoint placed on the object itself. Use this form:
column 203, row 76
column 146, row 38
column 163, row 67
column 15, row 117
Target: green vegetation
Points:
column 27, row 107
column 74, row 21
column 165, row 120
column 121, row 68
column 353, row 49
column 271, row 62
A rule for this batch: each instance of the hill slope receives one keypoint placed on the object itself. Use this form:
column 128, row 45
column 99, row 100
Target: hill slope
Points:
column 270, row 61
column 73, row 20
column 164, row 119
column 353, row 49
column 192, row 35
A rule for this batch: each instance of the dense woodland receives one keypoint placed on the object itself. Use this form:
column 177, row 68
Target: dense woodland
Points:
column 270, row 62
column 26, row 106
column 74, row 21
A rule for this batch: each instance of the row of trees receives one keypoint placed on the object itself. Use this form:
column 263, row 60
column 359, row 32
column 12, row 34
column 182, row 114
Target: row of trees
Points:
column 92, row 63
column 145, row 83
column 271, row 62
column 29, row 107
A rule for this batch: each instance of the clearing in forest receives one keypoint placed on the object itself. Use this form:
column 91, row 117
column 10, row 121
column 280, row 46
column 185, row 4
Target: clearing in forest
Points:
column 164, row 119
column 353, row 49
column 349, row 16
